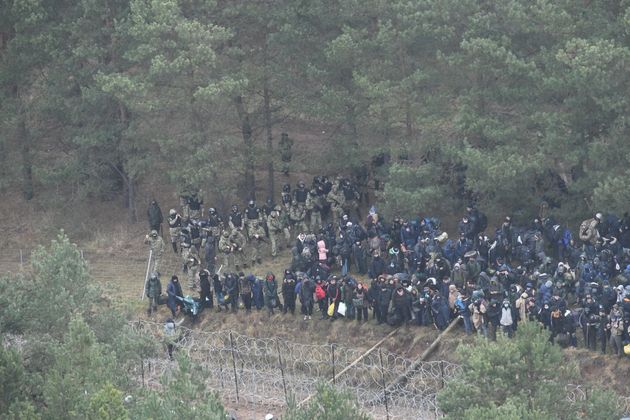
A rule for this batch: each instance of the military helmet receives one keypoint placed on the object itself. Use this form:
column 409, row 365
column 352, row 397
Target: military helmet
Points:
column 599, row 216
column 301, row 184
column 251, row 203
column 154, row 276
column 286, row 188
column 212, row 210
column 235, row 208
column 172, row 212
column 225, row 233
column 154, row 233
column 277, row 207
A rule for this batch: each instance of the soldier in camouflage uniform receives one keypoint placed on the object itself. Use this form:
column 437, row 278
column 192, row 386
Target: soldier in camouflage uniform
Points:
column 195, row 206
column 257, row 241
column 314, row 205
column 285, row 152
column 235, row 219
column 185, row 245
column 184, row 198
column 285, row 196
column 252, row 215
column 275, row 227
column 351, row 196
column 156, row 244
column 237, row 239
column 193, row 268
column 297, row 214
column 337, row 201
column 225, row 248
column 214, row 222
column 174, row 228
column 283, row 215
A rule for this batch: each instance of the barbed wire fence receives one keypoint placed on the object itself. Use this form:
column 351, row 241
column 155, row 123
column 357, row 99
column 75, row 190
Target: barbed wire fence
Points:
column 260, row 375
column 255, row 376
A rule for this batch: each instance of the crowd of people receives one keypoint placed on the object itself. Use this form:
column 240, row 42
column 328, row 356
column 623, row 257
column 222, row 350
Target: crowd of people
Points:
column 402, row 271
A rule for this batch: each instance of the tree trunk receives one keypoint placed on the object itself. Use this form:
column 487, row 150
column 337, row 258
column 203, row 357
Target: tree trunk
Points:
column 27, row 161
column 249, row 177
column 131, row 200
column 268, row 126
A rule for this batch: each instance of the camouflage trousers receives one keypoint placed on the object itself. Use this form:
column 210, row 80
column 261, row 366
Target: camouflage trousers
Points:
column 185, row 208
column 194, row 214
column 249, row 223
column 175, row 234
column 257, row 250
column 239, row 259
column 156, row 261
column 192, row 276
column 274, row 237
column 316, row 221
column 185, row 254
column 225, row 261
column 337, row 213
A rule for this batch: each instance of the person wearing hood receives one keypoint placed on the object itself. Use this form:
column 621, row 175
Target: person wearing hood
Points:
column 270, row 290
column 173, row 290
column 401, row 301
column 546, row 290
column 307, row 292
column 205, row 293
column 334, row 296
column 494, row 316
column 245, row 286
column 506, row 321
column 231, row 291
column 154, row 215
column 257, row 293
column 462, row 305
column 170, row 336
column 440, row 311
column 521, row 306
column 288, row 292
column 153, row 292
column 360, row 302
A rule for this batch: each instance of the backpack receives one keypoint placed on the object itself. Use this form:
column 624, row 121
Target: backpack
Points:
column 319, row 292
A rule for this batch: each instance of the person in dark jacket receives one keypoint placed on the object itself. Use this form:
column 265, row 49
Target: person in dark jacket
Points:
column 257, row 293
column 218, row 290
column 288, row 292
column 494, row 318
column 245, row 285
column 359, row 256
column 383, row 297
column 307, row 290
column 205, row 294
column 173, row 290
column 334, row 296
column 154, row 290
column 377, row 267
column 401, row 301
column 270, row 290
column 154, row 215
column 360, row 302
column 440, row 311
column 231, row 290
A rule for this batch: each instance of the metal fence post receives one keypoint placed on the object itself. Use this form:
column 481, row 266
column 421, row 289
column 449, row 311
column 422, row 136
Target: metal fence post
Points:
column 284, row 384
column 380, row 357
column 234, row 366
